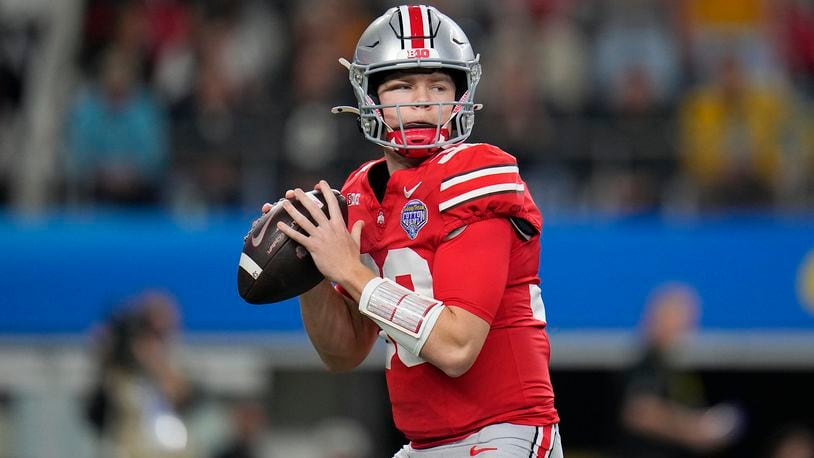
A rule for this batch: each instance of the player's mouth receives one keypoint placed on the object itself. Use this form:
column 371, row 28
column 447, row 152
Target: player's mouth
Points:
column 419, row 125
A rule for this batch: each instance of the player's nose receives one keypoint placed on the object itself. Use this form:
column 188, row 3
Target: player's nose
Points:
column 421, row 94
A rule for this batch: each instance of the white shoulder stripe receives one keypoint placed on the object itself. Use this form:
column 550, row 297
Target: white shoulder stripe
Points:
column 486, row 190
column 477, row 174
column 449, row 153
column 364, row 168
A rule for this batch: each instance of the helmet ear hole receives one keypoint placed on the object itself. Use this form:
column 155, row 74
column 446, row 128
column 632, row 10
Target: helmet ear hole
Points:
column 461, row 83
column 373, row 82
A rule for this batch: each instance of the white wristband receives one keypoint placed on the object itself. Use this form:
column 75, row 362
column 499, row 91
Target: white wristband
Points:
column 407, row 317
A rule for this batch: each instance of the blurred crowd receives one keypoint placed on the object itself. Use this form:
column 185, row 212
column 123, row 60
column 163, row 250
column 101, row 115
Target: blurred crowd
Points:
column 621, row 106
column 143, row 402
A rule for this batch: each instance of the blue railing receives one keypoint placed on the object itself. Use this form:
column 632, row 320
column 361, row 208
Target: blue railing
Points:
column 63, row 274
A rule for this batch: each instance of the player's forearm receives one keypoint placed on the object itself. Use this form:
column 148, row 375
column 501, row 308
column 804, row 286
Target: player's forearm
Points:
column 355, row 278
column 340, row 335
column 448, row 337
column 455, row 342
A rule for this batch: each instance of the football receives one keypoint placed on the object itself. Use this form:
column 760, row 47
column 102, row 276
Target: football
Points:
column 273, row 267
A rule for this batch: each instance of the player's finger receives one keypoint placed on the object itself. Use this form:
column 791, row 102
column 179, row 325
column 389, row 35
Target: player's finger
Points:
column 356, row 232
column 309, row 204
column 333, row 204
column 293, row 234
column 289, row 194
column 266, row 208
column 298, row 217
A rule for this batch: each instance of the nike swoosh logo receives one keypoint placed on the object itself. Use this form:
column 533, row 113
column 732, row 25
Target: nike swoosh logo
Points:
column 477, row 451
column 257, row 239
column 409, row 192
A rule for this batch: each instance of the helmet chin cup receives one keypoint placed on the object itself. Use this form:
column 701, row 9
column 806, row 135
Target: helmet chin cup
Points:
column 417, row 137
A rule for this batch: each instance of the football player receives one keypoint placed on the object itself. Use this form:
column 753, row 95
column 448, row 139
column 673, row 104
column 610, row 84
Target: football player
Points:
column 441, row 256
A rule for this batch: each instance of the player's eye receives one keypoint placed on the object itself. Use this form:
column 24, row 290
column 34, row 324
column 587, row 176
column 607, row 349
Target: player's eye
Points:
column 396, row 86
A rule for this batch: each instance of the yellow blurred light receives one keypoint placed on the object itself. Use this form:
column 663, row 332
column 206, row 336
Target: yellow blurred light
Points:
column 805, row 282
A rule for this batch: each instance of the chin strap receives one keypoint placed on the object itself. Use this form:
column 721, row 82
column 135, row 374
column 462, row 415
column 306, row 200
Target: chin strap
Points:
column 416, row 137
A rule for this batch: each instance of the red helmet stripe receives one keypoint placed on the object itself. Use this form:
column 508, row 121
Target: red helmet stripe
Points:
column 416, row 26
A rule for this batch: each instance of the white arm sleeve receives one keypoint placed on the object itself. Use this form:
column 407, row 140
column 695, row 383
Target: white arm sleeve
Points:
column 406, row 316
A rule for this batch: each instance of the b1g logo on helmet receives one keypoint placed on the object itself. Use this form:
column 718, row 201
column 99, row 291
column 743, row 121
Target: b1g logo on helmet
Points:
column 413, row 217
column 421, row 53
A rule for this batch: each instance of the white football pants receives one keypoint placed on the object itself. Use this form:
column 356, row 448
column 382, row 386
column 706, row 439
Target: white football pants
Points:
column 503, row 440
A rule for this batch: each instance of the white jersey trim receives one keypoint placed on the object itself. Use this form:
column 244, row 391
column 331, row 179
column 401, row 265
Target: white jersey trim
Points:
column 451, row 152
column 486, row 190
column 497, row 170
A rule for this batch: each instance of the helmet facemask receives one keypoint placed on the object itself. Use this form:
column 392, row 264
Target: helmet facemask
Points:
column 422, row 141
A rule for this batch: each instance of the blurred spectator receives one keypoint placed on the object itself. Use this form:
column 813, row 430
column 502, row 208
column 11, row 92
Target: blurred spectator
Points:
column 17, row 40
column 664, row 412
column 140, row 392
column 716, row 29
column 561, row 61
column 793, row 442
column 117, row 143
column 313, row 141
column 249, row 422
column 732, row 135
column 632, row 148
column 218, row 87
column 514, row 111
column 636, row 42
column 796, row 36
column 145, row 28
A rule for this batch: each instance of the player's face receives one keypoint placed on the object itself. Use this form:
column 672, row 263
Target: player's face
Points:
column 416, row 88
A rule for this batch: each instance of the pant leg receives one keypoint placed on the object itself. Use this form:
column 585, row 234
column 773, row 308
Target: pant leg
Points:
column 497, row 441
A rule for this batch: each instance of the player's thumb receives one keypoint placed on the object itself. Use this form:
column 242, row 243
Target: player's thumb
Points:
column 356, row 232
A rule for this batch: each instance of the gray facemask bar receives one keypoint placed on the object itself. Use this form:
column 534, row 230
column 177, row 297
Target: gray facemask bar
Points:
column 372, row 122
column 371, row 116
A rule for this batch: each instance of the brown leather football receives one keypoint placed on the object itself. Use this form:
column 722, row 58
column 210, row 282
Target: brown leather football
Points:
column 273, row 267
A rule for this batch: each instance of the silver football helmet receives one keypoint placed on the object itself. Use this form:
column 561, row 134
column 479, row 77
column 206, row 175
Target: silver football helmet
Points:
column 412, row 37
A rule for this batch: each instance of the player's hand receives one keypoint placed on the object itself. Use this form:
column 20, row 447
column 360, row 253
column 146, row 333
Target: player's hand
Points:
column 335, row 250
column 718, row 426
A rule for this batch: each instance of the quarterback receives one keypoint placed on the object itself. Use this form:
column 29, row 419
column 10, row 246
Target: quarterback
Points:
column 438, row 257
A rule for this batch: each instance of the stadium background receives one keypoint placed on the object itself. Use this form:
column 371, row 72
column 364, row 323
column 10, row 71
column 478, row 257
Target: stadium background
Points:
column 664, row 140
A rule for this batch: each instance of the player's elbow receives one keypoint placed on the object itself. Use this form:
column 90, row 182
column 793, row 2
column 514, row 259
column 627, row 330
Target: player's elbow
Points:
column 337, row 365
column 334, row 368
column 456, row 362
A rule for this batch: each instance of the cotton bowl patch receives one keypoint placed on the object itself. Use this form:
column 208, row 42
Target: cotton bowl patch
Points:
column 413, row 217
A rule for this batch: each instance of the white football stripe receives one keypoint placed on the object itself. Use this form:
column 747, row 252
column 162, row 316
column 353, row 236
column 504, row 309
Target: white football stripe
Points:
column 450, row 152
column 480, row 192
column 477, row 174
column 425, row 22
column 248, row 264
column 405, row 22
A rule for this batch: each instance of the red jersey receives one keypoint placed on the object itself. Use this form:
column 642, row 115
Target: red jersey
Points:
column 509, row 381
